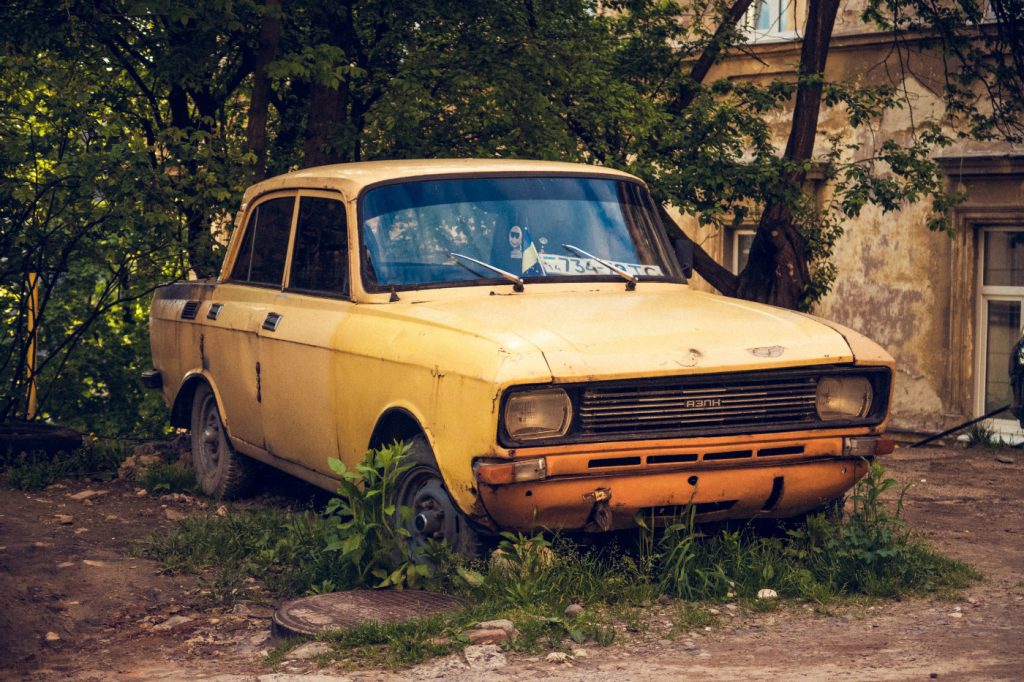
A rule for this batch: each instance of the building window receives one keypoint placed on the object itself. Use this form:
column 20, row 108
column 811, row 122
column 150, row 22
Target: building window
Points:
column 737, row 248
column 771, row 20
column 1000, row 307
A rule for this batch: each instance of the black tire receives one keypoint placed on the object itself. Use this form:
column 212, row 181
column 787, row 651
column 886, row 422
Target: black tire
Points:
column 17, row 437
column 434, row 515
column 221, row 472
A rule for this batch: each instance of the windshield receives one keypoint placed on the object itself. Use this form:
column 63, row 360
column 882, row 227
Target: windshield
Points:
column 466, row 231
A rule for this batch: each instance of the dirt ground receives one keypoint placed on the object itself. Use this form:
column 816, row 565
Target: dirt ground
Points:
column 75, row 605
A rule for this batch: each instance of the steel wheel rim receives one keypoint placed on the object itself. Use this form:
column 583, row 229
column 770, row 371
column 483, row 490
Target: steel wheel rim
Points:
column 426, row 496
column 211, row 436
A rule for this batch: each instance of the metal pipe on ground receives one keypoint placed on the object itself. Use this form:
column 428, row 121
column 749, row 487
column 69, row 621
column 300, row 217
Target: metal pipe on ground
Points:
column 958, row 427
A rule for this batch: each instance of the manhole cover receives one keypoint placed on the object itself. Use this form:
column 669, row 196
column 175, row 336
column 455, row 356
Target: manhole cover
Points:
column 340, row 610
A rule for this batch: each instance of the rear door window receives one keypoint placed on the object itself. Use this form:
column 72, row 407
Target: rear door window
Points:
column 320, row 257
column 265, row 245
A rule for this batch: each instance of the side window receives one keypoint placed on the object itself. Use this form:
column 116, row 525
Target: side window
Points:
column 320, row 257
column 271, row 246
column 262, row 254
column 240, row 271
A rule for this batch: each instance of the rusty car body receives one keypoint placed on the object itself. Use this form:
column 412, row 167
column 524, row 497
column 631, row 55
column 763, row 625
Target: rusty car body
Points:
column 528, row 327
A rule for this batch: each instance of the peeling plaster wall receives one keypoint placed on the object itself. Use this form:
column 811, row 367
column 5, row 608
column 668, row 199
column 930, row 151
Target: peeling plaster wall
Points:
column 893, row 280
column 893, row 286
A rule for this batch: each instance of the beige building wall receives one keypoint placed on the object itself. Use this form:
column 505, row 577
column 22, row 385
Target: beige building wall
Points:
column 912, row 290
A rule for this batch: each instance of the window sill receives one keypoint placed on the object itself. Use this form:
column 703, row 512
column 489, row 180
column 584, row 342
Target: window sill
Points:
column 760, row 38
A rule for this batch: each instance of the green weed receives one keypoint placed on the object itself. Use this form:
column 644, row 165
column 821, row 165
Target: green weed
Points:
column 530, row 572
column 363, row 532
column 161, row 479
column 352, row 544
column 872, row 553
column 687, row 616
column 979, row 434
column 286, row 551
column 390, row 645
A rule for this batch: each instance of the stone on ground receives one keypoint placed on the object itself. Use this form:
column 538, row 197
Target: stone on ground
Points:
column 485, row 657
column 309, row 650
column 487, row 636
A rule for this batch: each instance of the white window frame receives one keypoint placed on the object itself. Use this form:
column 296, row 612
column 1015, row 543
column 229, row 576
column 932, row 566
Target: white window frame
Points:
column 1004, row 425
column 777, row 8
column 734, row 246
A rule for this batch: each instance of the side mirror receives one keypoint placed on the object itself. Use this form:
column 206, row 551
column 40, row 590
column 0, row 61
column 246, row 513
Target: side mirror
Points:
column 684, row 253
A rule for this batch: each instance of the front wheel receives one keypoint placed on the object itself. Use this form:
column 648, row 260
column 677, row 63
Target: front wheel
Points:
column 221, row 472
column 435, row 517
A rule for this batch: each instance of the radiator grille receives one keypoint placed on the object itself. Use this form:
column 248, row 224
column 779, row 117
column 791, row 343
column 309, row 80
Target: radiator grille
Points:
column 698, row 406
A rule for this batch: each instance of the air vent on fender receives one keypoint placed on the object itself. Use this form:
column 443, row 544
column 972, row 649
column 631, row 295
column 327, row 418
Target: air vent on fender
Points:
column 190, row 310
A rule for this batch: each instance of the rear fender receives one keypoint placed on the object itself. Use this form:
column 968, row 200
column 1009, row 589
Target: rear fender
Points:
column 181, row 409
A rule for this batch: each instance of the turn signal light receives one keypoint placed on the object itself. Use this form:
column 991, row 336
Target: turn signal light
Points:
column 504, row 473
column 868, row 447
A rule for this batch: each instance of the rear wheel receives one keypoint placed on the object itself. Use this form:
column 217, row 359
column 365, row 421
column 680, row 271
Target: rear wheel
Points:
column 221, row 472
column 435, row 517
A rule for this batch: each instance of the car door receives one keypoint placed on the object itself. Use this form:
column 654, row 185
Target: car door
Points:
column 239, row 309
column 301, row 385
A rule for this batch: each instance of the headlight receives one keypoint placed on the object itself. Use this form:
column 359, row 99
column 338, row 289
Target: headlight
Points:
column 843, row 398
column 532, row 415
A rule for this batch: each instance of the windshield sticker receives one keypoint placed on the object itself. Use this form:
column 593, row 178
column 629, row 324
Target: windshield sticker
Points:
column 515, row 240
column 570, row 265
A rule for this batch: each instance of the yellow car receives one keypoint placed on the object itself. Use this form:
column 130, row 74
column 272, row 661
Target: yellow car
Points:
column 528, row 327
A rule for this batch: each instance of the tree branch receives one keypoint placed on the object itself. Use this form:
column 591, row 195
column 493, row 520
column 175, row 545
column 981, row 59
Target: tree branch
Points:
column 707, row 267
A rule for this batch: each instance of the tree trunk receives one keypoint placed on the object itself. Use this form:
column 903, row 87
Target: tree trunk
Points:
column 326, row 107
column 777, row 271
column 256, row 130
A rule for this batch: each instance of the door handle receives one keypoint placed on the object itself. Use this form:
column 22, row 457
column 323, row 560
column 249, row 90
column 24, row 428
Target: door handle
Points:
column 272, row 321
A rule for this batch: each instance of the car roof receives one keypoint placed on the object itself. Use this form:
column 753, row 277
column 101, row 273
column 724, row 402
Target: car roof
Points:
column 351, row 178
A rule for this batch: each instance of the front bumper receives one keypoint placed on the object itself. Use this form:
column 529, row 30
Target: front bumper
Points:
column 600, row 491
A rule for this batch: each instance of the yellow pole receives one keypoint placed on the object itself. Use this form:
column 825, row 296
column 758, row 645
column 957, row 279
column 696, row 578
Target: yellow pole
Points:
column 33, row 311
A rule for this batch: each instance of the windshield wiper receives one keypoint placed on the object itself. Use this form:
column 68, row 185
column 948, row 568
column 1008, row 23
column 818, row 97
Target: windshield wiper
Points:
column 517, row 282
column 631, row 280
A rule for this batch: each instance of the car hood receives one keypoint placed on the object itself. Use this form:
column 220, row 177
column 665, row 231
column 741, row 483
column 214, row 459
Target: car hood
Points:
column 663, row 330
